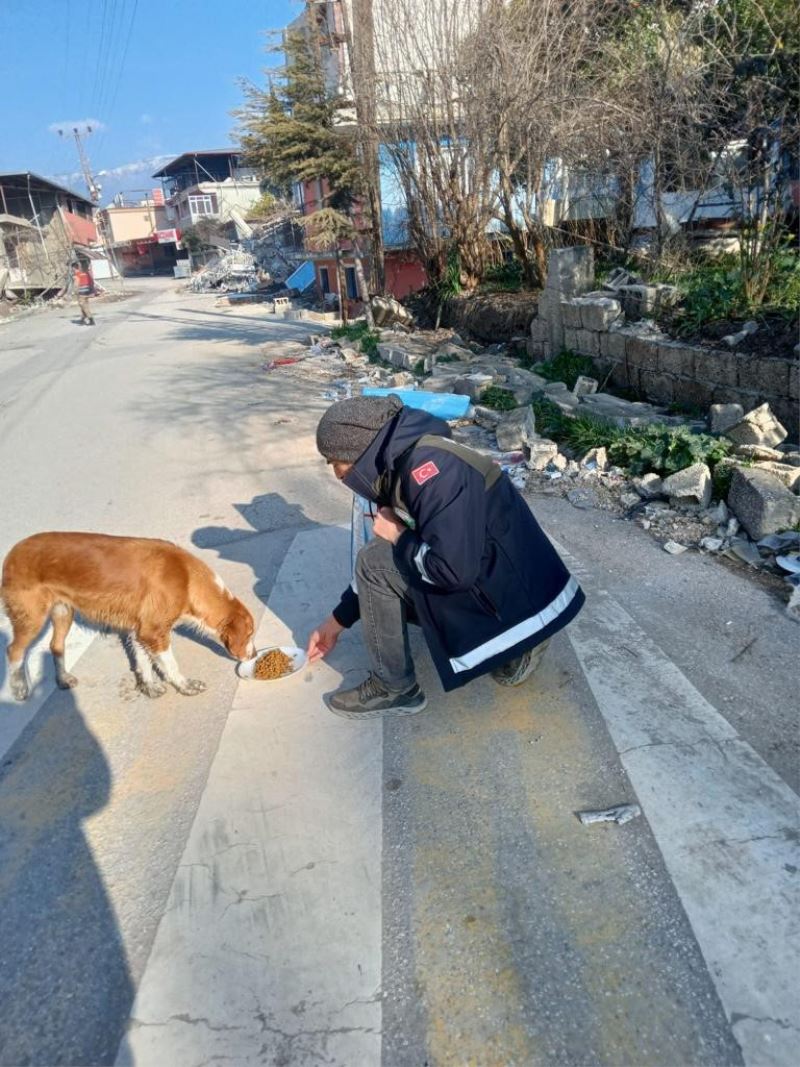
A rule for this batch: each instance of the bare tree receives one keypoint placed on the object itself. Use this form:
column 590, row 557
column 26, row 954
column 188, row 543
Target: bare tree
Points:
column 441, row 158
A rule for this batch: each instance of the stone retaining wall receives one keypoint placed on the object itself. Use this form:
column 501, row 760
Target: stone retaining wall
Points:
column 637, row 357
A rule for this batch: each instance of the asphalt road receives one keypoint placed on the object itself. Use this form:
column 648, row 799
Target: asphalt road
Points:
column 231, row 878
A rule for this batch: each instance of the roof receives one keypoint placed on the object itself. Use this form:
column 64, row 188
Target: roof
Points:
column 165, row 171
column 26, row 174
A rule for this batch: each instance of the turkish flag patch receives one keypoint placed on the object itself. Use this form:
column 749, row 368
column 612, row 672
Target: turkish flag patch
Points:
column 423, row 474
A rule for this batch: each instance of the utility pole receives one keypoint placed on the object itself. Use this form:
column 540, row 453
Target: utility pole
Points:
column 95, row 190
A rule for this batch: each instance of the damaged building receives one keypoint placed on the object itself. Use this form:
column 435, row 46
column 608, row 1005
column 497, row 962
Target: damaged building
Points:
column 44, row 229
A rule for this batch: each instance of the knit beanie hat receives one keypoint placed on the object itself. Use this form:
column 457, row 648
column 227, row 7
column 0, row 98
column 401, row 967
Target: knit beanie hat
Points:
column 349, row 427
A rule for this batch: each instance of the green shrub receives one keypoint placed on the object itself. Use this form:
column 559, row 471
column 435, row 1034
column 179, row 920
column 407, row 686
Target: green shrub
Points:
column 566, row 367
column 360, row 333
column 419, row 368
column 499, row 399
column 665, row 449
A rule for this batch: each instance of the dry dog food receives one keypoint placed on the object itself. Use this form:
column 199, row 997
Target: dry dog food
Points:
column 273, row 664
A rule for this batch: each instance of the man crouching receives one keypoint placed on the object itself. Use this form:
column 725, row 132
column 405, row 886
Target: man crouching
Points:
column 456, row 549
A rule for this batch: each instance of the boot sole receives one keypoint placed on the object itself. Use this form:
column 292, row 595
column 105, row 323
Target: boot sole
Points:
column 377, row 713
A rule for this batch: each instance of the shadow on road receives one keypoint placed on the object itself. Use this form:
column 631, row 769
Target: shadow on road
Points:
column 65, row 986
column 273, row 522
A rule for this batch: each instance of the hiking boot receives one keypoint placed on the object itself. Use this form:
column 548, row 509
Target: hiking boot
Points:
column 371, row 699
column 91, row 322
column 516, row 671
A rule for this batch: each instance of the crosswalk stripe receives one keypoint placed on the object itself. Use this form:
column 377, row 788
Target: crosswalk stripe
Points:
column 725, row 822
column 270, row 946
column 41, row 676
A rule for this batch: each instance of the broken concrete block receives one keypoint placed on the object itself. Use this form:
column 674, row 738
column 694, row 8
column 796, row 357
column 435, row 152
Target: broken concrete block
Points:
column 722, row 416
column 595, row 459
column 597, row 313
column 762, row 503
column 789, row 475
column 760, row 453
column 543, row 450
column 552, row 388
column 649, row 486
column 473, row 385
column 516, row 430
column 559, row 462
column 690, row 487
column 397, row 356
column 758, row 427
column 585, row 386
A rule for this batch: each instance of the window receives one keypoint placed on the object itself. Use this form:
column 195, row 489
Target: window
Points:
column 324, row 281
column 351, row 283
column 202, row 205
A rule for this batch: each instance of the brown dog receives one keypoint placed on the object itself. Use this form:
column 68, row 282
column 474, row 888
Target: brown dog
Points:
column 137, row 585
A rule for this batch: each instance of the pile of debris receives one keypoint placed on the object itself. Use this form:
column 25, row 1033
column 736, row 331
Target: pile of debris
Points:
column 231, row 271
column 757, row 524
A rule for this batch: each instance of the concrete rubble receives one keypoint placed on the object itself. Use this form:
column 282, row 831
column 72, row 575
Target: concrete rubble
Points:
column 762, row 503
column 758, row 427
column 676, row 509
column 690, row 487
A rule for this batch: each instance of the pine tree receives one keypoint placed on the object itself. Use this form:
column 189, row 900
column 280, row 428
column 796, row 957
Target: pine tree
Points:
column 289, row 132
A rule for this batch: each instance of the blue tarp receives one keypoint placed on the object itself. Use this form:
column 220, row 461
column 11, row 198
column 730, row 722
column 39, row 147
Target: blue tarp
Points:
column 301, row 278
column 443, row 405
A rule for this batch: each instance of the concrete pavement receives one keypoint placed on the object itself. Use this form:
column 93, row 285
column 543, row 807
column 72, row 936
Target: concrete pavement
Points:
column 276, row 885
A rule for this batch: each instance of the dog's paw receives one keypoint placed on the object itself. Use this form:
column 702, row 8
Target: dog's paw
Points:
column 192, row 687
column 152, row 689
column 66, row 680
column 19, row 686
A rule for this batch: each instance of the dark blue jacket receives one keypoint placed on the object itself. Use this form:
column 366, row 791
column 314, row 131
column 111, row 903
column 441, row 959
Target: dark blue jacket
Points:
column 486, row 582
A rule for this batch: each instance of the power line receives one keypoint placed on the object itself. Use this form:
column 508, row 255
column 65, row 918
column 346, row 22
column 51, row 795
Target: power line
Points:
column 121, row 67
column 99, row 52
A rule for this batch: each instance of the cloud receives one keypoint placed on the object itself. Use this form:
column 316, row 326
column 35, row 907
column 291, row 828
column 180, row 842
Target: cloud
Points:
column 68, row 125
column 145, row 119
column 136, row 167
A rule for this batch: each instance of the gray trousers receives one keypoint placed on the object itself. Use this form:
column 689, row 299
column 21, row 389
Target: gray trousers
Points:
column 386, row 607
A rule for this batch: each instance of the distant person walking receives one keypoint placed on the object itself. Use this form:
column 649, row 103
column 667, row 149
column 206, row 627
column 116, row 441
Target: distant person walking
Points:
column 84, row 288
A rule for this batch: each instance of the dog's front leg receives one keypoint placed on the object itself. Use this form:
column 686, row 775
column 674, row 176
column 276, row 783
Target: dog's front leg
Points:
column 143, row 669
column 168, row 667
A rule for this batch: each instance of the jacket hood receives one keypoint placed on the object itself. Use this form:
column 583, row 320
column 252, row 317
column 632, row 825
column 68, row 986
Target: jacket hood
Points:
column 371, row 474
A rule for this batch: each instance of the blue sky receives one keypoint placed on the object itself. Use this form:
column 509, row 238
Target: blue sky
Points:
column 172, row 91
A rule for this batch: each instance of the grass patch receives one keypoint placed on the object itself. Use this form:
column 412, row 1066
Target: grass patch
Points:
column 499, row 399
column 566, row 367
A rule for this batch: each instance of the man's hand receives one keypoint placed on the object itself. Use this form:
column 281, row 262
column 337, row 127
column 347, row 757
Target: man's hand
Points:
column 388, row 526
column 323, row 639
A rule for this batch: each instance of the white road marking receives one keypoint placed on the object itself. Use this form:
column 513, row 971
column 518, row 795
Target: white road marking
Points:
column 725, row 822
column 270, row 946
column 15, row 716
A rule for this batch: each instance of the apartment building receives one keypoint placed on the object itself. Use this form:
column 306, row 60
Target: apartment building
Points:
column 212, row 184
